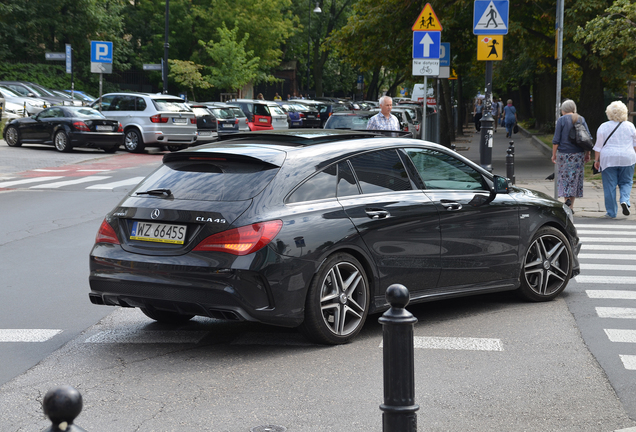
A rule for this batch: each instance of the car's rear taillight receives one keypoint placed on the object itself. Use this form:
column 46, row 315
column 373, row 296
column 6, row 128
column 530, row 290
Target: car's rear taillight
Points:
column 243, row 240
column 120, row 128
column 302, row 115
column 106, row 234
column 81, row 126
column 406, row 128
column 235, row 121
column 193, row 120
column 158, row 119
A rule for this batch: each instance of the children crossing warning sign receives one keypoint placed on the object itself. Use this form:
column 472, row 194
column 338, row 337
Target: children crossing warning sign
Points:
column 490, row 48
column 427, row 20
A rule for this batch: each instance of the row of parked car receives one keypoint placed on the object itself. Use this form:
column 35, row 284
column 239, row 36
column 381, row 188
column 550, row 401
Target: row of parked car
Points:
column 140, row 120
column 27, row 98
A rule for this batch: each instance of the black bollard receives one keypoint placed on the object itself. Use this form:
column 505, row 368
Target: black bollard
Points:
column 62, row 405
column 510, row 162
column 399, row 377
column 453, row 147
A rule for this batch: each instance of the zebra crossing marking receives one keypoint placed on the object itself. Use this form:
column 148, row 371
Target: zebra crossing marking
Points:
column 629, row 361
column 28, row 180
column 612, row 257
column 615, row 267
column 609, row 247
column 59, row 184
column 607, row 280
column 113, row 185
column 616, row 312
column 27, row 335
column 611, row 294
column 604, row 239
column 621, row 335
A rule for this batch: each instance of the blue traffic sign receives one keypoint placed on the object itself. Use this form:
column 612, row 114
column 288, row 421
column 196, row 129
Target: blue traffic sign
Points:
column 490, row 17
column 101, row 52
column 426, row 44
column 68, row 56
column 444, row 54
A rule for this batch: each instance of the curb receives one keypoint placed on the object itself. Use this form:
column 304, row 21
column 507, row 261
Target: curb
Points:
column 540, row 145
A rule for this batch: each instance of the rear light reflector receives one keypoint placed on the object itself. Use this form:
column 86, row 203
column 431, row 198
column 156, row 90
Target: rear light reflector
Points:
column 81, row 126
column 120, row 128
column 193, row 120
column 158, row 119
column 235, row 121
column 106, row 234
column 243, row 240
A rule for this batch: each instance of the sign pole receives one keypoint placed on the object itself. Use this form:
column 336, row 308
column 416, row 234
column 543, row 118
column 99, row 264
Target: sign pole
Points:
column 485, row 145
column 100, row 91
column 423, row 137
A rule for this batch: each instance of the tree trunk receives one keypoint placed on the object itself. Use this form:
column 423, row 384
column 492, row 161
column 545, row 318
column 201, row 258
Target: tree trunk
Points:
column 372, row 89
column 591, row 101
column 446, row 132
column 461, row 113
column 544, row 100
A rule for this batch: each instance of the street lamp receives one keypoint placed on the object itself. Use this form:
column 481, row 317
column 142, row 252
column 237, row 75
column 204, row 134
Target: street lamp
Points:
column 316, row 10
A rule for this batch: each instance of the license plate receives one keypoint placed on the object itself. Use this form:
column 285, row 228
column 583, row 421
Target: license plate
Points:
column 228, row 125
column 103, row 128
column 179, row 120
column 158, row 232
column 295, row 123
column 262, row 120
column 205, row 133
column 311, row 117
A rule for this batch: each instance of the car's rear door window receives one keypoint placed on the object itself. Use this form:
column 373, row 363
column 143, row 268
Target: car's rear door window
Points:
column 380, row 171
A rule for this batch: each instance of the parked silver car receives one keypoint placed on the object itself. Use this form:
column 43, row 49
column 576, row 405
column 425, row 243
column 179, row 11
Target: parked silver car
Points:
column 19, row 103
column 151, row 120
column 279, row 117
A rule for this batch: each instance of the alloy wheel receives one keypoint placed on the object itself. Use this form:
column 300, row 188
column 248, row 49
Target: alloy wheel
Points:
column 547, row 265
column 343, row 299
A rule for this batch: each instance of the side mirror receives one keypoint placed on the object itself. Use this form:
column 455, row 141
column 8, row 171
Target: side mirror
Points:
column 501, row 185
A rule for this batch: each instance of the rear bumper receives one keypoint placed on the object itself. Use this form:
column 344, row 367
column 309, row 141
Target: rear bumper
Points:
column 257, row 127
column 97, row 139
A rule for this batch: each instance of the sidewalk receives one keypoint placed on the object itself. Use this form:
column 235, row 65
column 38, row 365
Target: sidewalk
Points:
column 532, row 165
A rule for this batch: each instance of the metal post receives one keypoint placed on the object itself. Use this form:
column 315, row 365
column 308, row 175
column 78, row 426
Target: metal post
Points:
column 510, row 162
column 485, row 147
column 166, row 45
column 399, row 377
column 101, row 76
column 423, row 135
column 559, row 25
column 62, row 405
column 316, row 10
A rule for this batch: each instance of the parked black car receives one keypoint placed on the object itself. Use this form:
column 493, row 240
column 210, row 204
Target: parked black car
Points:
column 308, row 228
column 66, row 127
column 212, row 122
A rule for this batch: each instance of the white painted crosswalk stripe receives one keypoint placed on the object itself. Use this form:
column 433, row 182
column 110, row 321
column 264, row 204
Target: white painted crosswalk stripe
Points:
column 456, row 343
column 27, row 335
column 616, row 312
column 617, row 227
column 611, row 294
column 612, row 240
column 609, row 280
column 621, row 335
column 113, row 185
column 629, row 361
column 136, row 336
column 80, row 180
column 609, row 257
column 602, row 231
column 28, row 180
column 609, row 247
column 612, row 267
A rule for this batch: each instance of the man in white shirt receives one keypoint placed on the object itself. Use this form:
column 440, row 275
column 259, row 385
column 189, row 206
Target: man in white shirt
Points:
column 384, row 120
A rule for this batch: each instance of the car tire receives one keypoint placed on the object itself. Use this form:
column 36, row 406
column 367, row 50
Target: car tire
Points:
column 166, row 317
column 111, row 149
column 547, row 266
column 337, row 301
column 12, row 137
column 61, row 142
column 133, row 141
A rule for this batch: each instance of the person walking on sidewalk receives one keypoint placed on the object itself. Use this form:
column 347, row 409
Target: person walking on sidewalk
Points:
column 615, row 156
column 569, row 157
column 478, row 109
column 509, row 118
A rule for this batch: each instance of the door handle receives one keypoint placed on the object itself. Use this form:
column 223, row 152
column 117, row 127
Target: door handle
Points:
column 451, row 205
column 377, row 213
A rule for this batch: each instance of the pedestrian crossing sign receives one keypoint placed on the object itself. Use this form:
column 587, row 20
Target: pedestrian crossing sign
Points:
column 427, row 20
column 490, row 17
column 490, row 48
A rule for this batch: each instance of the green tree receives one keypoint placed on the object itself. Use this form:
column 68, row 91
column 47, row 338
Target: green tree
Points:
column 188, row 74
column 233, row 66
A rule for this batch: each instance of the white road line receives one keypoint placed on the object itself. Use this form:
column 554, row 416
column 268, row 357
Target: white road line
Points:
column 457, row 343
column 621, row 239
column 609, row 257
column 616, row 312
column 137, row 336
column 28, row 180
column 609, row 247
column 608, row 280
column 609, row 227
column 51, row 170
column 601, row 232
column 59, row 184
column 629, row 361
column 621, row 335
column 113, row 185
column 27, row 335
column 611, row 294
column 615, row 267
column 94, row 170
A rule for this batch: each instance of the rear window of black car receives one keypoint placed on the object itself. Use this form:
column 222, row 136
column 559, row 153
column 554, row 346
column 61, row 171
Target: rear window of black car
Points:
column 224, row 180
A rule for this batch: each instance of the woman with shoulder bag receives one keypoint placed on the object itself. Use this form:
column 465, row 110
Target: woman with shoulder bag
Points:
column 569, row 157
column 615, row 156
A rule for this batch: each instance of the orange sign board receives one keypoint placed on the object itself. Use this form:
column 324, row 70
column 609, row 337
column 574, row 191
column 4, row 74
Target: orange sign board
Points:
column 427, row 20
column 490, row 48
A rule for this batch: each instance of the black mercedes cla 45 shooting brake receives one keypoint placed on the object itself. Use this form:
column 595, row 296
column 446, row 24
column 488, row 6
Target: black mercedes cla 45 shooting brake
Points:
column 308, row 228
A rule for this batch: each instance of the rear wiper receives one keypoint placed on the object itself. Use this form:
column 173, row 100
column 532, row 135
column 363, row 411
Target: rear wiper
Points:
column 164, row 192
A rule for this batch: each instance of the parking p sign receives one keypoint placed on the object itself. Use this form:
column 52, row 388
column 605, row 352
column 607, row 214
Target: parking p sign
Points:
column 101, row 52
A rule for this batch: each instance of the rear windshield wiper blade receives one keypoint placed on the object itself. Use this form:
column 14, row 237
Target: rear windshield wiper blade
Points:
column 164, row 192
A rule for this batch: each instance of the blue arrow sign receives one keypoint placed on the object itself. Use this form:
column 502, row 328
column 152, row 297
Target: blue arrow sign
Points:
column 490, row 17
column 101, row 52
column 426, row 44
